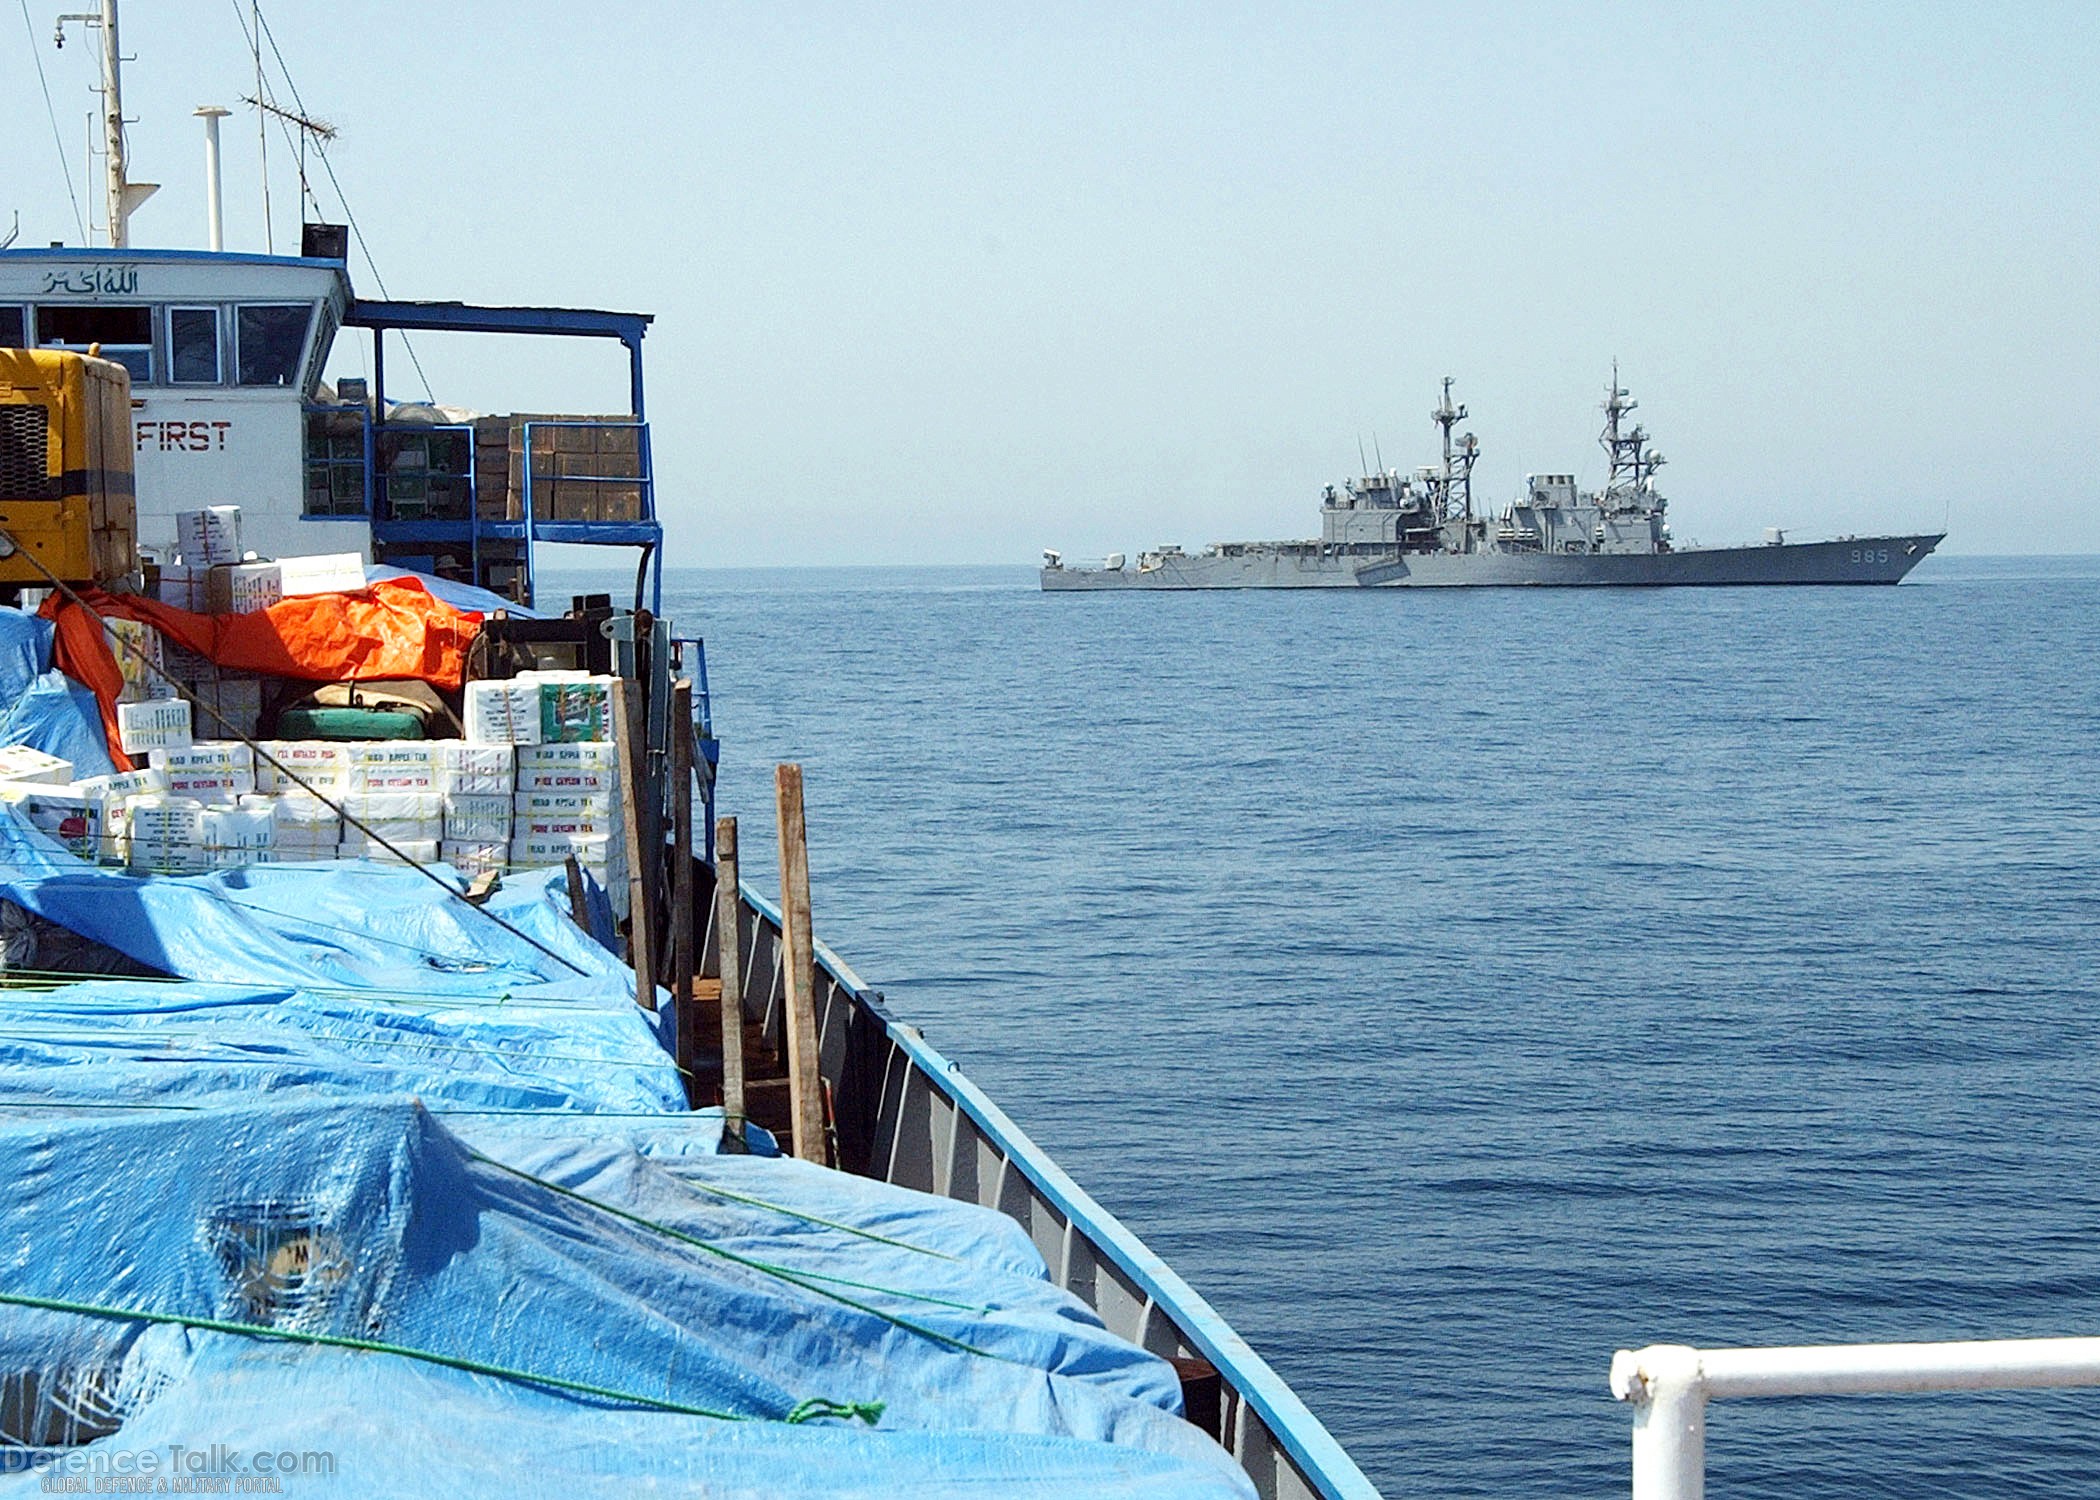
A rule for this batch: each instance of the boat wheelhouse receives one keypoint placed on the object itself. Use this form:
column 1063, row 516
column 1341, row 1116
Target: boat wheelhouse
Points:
column 227, row 354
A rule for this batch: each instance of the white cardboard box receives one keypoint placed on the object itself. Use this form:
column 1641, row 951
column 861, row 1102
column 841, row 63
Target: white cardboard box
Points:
column 161, row 724
column 211, row 535
column 242, row 588
column 20, row 763
column 323, row 573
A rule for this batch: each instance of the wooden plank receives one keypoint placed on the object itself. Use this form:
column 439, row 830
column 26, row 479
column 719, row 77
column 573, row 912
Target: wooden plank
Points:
column 579, row 903
column 680, row 730
column 641, row 901
column 805, row 1088
column 728, row 939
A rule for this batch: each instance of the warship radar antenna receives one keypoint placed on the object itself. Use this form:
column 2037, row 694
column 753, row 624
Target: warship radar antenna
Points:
column 1629, row 484
column 1457, row 471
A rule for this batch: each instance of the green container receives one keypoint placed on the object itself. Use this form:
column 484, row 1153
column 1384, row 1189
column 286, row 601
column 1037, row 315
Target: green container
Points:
column 348, row 724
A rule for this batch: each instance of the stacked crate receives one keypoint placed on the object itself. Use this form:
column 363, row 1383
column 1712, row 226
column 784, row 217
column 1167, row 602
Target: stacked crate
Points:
column 495, row 499
column 423, row 473
column 583, row 468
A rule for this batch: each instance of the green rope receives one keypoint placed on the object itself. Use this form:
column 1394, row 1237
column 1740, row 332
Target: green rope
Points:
column 869, row 1412
column 796, row 1213
column 802, row 1411
column 788, row 1274
column 709, row 1188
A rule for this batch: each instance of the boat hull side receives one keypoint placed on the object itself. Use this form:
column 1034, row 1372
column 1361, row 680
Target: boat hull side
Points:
column 905, row 1114
column 1855, row 560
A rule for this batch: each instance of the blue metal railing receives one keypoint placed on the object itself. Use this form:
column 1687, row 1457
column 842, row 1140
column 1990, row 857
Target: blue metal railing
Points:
column 641, row 530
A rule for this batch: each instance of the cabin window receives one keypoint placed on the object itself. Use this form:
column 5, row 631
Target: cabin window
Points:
column 269, row 340
column 125, row 333
column 193, row 345
column 12, row 328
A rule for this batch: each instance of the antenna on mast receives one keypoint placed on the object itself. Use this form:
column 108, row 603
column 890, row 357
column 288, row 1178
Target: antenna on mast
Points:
column 1458, row 474
column 309, row 128
column 262, row 120
column 124, row 196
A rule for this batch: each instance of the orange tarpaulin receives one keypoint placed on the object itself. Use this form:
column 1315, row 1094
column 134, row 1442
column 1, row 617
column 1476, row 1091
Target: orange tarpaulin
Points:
column 392, row 629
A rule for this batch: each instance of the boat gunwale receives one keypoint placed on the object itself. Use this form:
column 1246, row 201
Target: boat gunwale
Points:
column 1315, row 1451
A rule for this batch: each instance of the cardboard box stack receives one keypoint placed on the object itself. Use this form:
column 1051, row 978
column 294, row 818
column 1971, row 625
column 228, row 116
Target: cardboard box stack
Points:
column 115, row 793
column 308, row 829
column 210, row 771
column 583, row 468
column 494, row 496
column 537, row 783
column 565, row 794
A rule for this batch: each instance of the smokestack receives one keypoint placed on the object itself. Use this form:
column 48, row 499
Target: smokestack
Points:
column 211, row 115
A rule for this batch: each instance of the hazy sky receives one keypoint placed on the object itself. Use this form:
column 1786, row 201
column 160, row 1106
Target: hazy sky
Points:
column 956, row 283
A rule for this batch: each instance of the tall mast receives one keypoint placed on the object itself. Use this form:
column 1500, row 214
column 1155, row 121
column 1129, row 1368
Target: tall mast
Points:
column 1458, row 467
column 1629, row 484
column 113, row 128
column 123, row 195
column 1621, row 449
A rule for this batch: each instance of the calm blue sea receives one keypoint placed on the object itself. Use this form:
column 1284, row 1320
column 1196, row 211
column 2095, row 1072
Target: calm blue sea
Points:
column 1457, row 987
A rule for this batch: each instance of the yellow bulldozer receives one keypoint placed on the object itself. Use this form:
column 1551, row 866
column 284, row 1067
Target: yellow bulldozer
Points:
column 66, row 467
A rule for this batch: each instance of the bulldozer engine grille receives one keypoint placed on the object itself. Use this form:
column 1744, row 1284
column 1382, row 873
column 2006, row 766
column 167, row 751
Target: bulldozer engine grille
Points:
column 25, row 434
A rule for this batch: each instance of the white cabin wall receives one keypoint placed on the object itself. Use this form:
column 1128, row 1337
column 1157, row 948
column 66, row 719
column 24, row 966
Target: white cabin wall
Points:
column 230, row 446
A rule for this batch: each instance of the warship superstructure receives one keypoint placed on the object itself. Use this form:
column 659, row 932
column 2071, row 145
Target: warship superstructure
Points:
column 1420, row 530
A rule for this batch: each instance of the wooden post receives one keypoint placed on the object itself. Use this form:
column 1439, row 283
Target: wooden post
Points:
column 579, row 904
column 680, row 729
column 805, row 1089
column 641, row 901
column 729, row 928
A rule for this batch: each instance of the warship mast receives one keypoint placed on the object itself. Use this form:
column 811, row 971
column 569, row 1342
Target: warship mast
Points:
column 1627, row 486
column 1457, row 469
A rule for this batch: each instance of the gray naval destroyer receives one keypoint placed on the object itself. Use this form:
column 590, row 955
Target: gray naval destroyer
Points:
column 1391, row 530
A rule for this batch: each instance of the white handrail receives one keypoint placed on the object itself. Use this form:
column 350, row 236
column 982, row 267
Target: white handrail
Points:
column 1670, row 1384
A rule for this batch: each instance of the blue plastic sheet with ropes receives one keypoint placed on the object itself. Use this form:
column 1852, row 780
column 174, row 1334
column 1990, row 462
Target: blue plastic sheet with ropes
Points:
column 378, row 1190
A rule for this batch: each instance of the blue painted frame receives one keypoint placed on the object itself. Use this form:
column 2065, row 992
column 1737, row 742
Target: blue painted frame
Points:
column 580, row 322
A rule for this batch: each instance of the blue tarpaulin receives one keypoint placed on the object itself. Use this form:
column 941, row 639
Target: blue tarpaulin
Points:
column 58, row 716
column 375, row 1184
column 44, row 709
column 25, row 651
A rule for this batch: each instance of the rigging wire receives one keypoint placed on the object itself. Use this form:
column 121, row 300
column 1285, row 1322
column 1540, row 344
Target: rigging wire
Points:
column 65, row 163
column 262, row 27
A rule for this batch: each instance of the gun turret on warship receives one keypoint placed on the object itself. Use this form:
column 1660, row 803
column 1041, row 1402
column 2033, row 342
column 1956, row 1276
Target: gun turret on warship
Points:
column 1420, row 530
